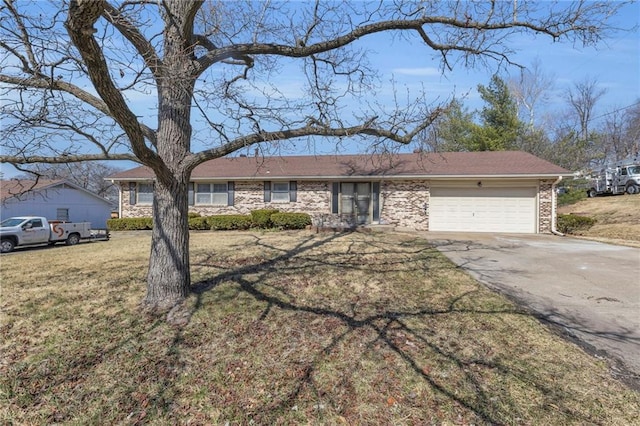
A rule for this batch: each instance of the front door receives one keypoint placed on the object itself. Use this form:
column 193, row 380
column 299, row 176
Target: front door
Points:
column 356, row 201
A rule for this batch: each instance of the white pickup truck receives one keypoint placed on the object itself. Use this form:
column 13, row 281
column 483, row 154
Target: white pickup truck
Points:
column 32, row 230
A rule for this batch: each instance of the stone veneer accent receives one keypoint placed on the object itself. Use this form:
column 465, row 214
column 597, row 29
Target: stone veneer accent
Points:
column 545, row 207
column 403, row 204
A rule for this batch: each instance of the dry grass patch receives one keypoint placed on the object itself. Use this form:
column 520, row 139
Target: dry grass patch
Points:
column 618, row 218
column 285, row 328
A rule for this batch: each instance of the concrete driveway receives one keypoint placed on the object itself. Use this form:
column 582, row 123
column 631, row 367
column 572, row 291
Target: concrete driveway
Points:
column 590, row 290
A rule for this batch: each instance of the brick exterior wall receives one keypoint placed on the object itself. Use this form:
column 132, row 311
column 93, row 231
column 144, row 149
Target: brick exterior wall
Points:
column 128, row 210
column 312, row 197
column 545, row 206
column 403, row 204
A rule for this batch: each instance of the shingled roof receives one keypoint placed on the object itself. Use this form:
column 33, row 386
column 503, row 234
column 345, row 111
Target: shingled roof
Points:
column 17, row 188
column 425, row 165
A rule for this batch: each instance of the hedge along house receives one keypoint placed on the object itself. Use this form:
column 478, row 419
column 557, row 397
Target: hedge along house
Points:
column 462, row 191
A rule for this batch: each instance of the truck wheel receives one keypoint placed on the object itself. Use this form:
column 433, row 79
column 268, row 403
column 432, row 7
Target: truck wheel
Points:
column 632, row 189
column 72, row 240
column 6, row 246
column 591, row 193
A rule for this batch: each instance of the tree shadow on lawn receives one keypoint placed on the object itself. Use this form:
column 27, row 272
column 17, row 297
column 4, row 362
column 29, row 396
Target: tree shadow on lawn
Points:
column 574, row 324
column 436, row 348
column 477, row 380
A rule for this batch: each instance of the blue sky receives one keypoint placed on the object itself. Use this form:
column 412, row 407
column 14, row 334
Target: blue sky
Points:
column 614, row 64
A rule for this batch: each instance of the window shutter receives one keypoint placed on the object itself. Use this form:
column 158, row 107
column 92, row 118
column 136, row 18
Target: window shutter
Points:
column 375, row 199
column 267, row 191
column 191, row 194
column 334, row 198
column 132, row 193
column 230, row 193
column 293, row 191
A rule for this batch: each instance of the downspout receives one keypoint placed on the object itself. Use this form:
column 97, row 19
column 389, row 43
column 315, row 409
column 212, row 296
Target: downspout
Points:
column 554, row 208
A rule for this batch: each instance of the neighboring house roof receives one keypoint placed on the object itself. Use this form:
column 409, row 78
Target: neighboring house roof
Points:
column 431, row 165
column 14, row 188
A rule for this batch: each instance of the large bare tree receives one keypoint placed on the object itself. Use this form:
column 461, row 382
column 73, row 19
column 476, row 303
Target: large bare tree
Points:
column 78, row 77
column 531, row 91
column 620, row 134
column 582, row 100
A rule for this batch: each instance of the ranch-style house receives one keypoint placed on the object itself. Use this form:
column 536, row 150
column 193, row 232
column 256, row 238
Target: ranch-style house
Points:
column 505, row 191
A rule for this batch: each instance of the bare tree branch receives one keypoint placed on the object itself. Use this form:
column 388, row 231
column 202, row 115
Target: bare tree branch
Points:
column 314, row 128
column 61, row 159
column 137, row 39
column 572, row 26
column 24, row 37
column 80, row 24
column 61, row 85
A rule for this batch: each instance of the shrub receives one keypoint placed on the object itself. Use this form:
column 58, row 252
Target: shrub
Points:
column 197, row 223
column 130, row 224
column 193, row 214
column 229, row 222
column 571, row 223
column 290, row 220
column 262, row 218
column 221, row 222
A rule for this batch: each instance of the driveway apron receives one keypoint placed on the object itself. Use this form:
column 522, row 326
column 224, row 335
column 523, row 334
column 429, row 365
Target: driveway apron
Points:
column 589, row 289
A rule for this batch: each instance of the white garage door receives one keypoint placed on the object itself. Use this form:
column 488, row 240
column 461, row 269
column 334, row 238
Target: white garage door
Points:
column 483, row 209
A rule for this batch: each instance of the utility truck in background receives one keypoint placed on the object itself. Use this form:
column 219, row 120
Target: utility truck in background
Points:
column 619, row 178
column 33, row 230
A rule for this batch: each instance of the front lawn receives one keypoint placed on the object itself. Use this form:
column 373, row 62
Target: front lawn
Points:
column 284, row 328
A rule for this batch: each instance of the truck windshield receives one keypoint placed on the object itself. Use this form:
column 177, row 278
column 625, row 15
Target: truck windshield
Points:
column 12, row 221
column 634, row 170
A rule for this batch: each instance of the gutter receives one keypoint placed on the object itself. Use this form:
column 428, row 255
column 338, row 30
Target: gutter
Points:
column 371, row 177
column 554, row 208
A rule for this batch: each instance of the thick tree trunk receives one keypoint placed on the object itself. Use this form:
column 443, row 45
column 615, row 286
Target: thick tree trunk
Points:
column 169, row 276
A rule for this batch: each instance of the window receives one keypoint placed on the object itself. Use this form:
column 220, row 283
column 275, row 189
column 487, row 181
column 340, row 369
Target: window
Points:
column 280, row 192
column 145, row 193
column 35, row 223
column 212, row 194
column 62, row 214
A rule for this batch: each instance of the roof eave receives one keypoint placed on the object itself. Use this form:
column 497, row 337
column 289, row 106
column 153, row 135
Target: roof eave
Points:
column 373, row 176
column 502, row 176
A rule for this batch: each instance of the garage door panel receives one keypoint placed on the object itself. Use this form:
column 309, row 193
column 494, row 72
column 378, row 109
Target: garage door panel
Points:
column 483, row 209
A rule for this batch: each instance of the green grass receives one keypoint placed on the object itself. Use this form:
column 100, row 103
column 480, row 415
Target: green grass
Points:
column 284, row 328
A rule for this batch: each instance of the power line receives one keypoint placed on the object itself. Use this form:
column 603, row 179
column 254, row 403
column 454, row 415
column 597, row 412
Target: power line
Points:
column 614, row 111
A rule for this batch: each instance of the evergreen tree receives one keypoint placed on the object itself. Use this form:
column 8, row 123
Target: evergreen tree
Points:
column 501, row 126
column 456, row 129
